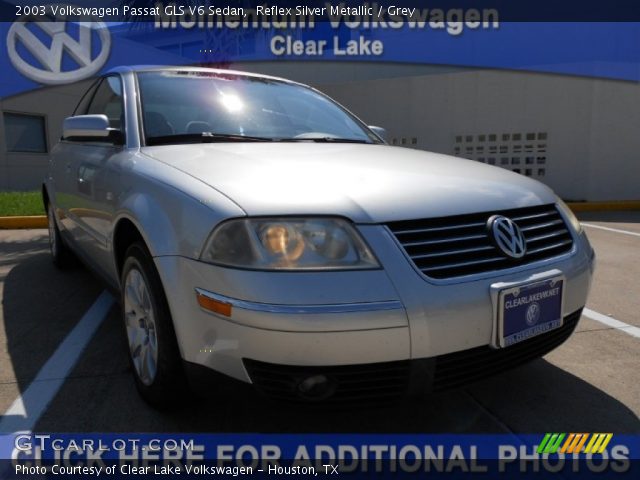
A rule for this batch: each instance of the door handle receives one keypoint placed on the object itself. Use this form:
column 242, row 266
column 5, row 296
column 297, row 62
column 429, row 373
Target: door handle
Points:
column 69, row 167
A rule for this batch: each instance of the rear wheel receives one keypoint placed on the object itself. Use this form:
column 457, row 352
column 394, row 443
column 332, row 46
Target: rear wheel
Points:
column 153, row 350
column 60, row 254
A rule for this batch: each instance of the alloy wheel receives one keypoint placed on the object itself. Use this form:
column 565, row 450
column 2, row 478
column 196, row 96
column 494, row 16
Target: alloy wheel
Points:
column 140, row 323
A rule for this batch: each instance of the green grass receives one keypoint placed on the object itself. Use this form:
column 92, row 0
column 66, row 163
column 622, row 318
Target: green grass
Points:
column 21, row 203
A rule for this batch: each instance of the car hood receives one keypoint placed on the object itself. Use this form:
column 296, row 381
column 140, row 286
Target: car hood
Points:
column 366, row 183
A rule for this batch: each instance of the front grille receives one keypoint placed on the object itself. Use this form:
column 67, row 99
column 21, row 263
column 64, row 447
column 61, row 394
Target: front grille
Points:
column 460, row 368
column 372, row 383
column 454, row 246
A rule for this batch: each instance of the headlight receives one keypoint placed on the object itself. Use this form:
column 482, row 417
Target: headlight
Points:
column 288, row 244
column 569, row 215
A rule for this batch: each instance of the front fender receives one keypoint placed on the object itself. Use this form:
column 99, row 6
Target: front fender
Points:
column 170, row 222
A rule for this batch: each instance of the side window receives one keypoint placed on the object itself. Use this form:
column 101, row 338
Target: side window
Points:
column 108, row 101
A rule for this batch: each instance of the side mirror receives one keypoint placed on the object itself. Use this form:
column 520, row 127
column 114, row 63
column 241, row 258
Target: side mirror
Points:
column 91, row 128
column 381, row 132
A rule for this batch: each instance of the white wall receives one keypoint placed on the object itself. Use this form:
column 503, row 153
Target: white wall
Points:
column 593, row 145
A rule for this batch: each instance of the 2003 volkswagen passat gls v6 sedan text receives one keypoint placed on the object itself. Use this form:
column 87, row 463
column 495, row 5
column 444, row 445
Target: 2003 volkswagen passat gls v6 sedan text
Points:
column 258, row 229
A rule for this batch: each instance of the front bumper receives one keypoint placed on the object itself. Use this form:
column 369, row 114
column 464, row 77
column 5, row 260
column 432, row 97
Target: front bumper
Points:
column 391, row 380
column 331, row 319
column 336, row 335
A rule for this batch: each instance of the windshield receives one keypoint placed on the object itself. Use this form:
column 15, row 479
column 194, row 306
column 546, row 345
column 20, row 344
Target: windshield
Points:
column 183, row 106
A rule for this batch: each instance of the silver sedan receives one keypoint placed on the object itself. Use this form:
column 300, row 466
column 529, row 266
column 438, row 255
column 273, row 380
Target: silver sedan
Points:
column 257, row 229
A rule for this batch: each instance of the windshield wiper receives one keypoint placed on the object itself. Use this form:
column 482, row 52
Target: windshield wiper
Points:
column 210, row 137
column 204, row 137
column 324, row 140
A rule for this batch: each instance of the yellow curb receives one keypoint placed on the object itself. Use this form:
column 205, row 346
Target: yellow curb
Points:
column 36, row 221
column 40, row 221
column 604, row 206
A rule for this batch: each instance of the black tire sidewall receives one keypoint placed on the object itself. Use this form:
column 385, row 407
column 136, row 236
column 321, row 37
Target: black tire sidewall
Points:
column 62, row 256
column 169, row 381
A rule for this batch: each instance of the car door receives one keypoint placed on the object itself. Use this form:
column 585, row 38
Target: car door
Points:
column 62, row 177
column 91, row 201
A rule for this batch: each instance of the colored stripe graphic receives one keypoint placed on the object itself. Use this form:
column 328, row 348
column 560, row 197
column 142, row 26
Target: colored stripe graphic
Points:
column 551, row 443
column 598, row 442
column 574, row 443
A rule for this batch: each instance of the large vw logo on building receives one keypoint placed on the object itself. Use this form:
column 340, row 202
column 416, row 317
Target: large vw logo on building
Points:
column 44, row 59
column 507, row 236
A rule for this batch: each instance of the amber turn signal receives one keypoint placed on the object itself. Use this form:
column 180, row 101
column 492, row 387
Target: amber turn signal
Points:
column 215, row 306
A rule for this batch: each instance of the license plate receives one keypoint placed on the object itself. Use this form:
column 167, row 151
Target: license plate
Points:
column 529, row 310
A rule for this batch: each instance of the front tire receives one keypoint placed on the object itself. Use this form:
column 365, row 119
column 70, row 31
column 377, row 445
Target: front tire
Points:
column 153, row 349
column 60, row 254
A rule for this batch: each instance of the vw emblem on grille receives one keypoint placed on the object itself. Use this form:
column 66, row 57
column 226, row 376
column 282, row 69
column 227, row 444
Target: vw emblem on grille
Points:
column 44, row 59
column 507, row 236
column 533, row 314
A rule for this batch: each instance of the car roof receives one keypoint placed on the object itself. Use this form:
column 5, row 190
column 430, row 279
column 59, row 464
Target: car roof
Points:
column 222, row 71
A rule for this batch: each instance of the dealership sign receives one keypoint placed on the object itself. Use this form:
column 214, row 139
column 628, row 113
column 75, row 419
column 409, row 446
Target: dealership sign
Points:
column 59, row 46
column 31, row 56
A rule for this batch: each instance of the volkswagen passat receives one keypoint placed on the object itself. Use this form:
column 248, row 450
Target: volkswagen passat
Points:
column 258, row 229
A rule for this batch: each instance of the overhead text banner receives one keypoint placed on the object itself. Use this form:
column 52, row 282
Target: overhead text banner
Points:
column 59, row 43
column 510, row 10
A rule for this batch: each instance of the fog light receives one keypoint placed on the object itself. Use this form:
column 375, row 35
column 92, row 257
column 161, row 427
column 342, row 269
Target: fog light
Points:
column 316, row 387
